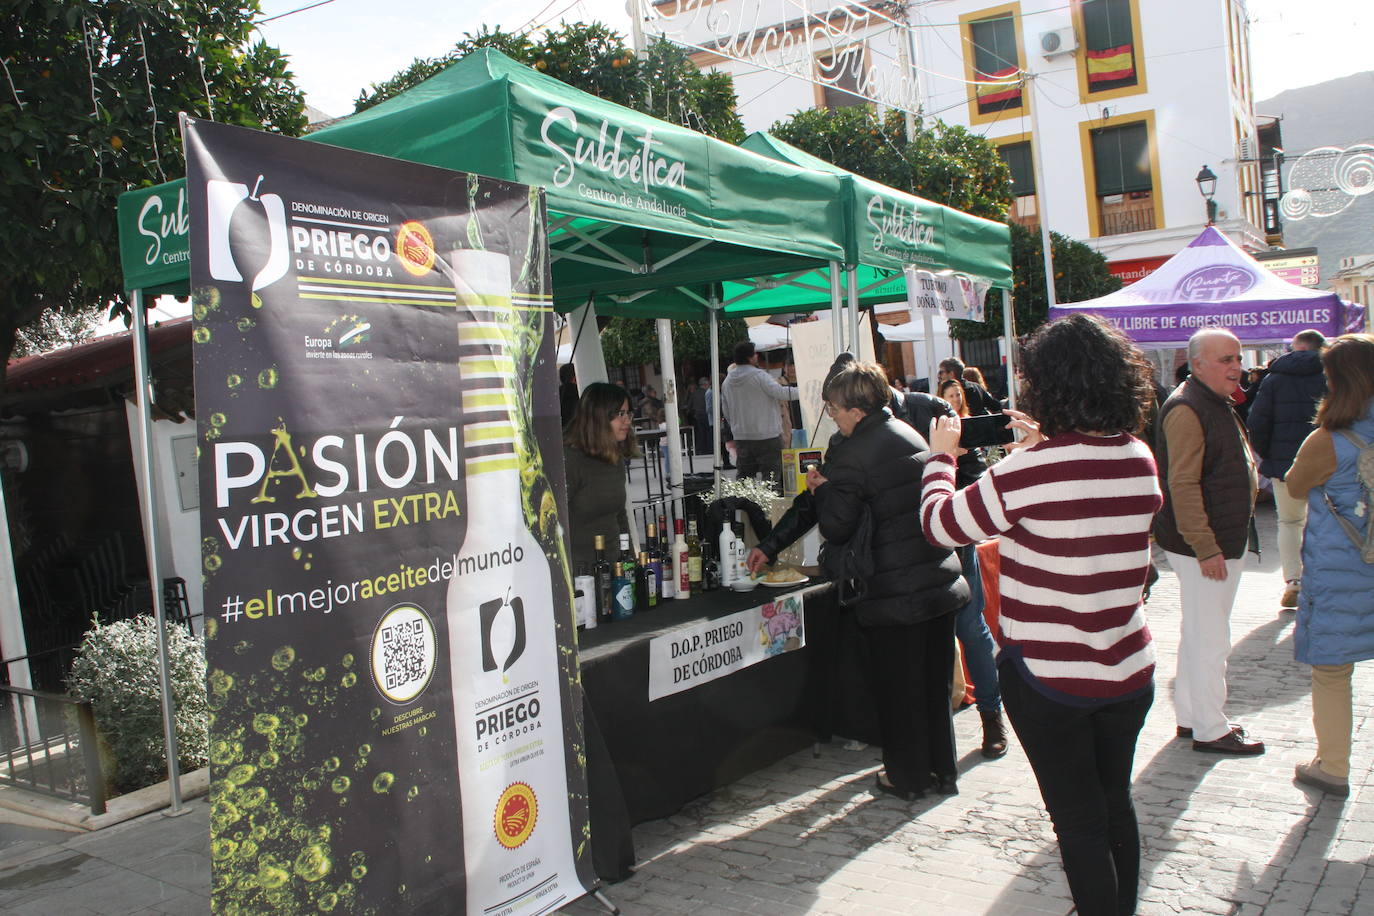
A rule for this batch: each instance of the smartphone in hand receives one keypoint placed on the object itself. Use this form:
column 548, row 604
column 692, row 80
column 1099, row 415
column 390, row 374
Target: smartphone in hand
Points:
column 984, row 430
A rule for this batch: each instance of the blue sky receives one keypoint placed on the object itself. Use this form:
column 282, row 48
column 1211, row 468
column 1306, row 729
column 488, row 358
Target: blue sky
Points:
column 342, row 46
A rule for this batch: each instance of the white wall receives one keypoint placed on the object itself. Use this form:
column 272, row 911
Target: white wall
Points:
column 1187, row 73
column 179, row 546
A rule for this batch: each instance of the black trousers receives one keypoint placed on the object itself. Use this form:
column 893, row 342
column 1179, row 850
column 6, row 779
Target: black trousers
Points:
column 1082, row 758
column 911, row 668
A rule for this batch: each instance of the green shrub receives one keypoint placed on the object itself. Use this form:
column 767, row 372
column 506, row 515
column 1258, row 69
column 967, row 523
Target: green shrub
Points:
column 116, row 669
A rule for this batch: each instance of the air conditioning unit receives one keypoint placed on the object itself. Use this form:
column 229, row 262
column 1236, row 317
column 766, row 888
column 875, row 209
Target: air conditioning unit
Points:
column 1054, row 42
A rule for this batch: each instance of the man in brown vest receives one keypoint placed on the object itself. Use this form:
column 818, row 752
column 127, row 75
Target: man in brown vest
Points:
column 1208, row 478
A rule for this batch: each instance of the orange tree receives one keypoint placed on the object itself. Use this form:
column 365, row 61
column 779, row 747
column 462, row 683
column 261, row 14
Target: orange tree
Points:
column 89, row 95
column 951, row 165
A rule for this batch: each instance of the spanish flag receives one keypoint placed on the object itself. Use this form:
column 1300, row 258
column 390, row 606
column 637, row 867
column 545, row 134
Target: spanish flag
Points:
column 1111, row 64
column 998, row 86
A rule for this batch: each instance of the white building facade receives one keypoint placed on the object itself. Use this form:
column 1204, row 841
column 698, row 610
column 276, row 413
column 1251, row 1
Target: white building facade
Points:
column 1125, row 101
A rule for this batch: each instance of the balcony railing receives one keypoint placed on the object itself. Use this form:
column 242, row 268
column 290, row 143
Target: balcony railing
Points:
column 1122, row 213
column 48, row 745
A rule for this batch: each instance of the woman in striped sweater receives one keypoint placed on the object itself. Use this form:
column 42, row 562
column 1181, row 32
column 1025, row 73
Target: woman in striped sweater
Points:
column 1073, row 506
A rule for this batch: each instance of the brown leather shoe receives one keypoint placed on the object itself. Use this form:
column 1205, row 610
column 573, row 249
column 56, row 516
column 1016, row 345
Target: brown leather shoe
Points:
column 1183, row 731
column 1289, row 601
column 1233, row 742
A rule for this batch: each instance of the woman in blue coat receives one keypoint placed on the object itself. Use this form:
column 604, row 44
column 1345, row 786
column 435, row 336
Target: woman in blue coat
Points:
column 1336, row 606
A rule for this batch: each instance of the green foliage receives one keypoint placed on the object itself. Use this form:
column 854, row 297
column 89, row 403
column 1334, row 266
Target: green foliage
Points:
column 594, row 58
column 89, row 97
column 52, row 330
column 117, row 671
column 634, row 341
column 944, row 163
column 1079, row 273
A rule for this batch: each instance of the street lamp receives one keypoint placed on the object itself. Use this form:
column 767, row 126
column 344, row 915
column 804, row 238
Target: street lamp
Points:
column 1207, row 187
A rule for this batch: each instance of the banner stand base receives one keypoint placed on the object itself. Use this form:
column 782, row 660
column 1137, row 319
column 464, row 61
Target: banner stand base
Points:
column 605, row 901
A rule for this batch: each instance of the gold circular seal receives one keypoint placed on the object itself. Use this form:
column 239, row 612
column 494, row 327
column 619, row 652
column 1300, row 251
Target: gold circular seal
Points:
column 415, row 248
column 516, row 813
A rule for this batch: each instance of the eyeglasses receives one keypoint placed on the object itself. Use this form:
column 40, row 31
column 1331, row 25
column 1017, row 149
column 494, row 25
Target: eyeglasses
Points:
column 622, row 414
column 831, row 409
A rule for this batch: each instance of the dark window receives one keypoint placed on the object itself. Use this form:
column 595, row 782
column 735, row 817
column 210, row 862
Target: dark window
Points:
column 841, row 72
column 1125, row 185
column 995, row 60
column 1109, row 51
column 1121, row 159
column 1017, row 156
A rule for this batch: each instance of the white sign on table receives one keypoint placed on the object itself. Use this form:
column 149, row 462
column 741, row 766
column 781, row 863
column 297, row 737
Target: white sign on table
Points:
column 703, row 652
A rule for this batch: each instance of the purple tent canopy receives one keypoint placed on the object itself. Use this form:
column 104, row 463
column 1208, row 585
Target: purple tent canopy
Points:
column 1213, row 284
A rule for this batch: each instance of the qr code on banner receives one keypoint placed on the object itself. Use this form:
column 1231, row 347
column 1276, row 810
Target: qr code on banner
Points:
column 403, row 653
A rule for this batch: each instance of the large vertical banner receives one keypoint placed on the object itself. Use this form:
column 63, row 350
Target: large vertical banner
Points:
column 387, row 596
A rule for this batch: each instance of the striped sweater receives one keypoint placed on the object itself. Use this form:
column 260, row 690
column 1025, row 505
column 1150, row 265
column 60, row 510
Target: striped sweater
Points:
column 1074, row 515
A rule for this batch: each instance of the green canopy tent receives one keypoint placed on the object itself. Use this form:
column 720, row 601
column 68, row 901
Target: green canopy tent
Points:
column 635, row 204
column 887, row 232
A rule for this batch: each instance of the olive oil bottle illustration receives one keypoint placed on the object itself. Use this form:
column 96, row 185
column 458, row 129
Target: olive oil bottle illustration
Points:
column 503, row 652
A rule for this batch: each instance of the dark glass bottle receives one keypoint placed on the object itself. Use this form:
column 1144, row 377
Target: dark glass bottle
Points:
column 623, row 582
column 601, row 571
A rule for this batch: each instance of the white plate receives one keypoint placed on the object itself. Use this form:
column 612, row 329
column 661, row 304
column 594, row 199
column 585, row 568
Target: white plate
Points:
column 802, row 581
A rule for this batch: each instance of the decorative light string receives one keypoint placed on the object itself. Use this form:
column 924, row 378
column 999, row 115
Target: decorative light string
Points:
column 152, row 103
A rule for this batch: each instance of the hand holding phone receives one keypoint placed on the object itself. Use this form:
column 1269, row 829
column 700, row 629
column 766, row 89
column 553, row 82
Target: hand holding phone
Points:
column 985, row 430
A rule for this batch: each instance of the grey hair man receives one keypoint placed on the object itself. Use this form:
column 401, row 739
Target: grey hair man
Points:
column 1209, row 483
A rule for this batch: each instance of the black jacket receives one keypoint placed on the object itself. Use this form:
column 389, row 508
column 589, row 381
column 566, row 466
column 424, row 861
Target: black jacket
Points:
column 1281, row 414
column 881, row 465
column 917, row 409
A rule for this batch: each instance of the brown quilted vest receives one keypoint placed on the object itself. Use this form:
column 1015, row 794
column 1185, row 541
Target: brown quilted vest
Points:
column 1226, row 483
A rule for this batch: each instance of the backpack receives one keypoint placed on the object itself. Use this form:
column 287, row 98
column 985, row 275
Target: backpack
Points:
column 1364, row 474
column 851, row 564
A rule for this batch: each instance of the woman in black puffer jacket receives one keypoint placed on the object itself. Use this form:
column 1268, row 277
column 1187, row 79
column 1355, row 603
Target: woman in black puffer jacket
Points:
column 907, row 612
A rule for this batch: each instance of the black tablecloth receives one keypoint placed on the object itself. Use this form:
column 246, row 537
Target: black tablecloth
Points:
column 658, row 756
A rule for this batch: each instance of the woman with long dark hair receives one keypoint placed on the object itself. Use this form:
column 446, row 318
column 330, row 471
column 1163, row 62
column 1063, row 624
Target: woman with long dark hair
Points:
column 1335, row 625
column 1073, row 507
column 596, row 443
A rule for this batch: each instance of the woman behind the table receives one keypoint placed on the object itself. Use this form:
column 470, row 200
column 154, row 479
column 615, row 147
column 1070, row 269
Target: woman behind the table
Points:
column 907, row 611
column 596, row 442
column 1073, row 506
column 1335, row 626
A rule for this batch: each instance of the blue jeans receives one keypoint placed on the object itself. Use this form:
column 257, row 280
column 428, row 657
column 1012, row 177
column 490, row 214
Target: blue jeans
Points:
column 980, row 651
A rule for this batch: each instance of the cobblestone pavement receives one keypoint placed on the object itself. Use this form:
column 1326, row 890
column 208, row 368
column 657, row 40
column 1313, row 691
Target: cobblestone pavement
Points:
column 1221, row 835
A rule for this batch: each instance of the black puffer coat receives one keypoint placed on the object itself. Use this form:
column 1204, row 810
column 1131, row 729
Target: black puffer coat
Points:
column 881, row 465
column 1281, row 415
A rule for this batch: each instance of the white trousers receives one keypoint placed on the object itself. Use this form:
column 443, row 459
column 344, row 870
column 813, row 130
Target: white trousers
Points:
column 1204, row 645
column 1292, row 518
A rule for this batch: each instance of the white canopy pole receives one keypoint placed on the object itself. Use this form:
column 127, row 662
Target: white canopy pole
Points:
column 588, row 359
column 1009, row 331
column 151, row 539
column 836, row 328
column 665, row 359
column 853, row 277
column 715, row 390
column 928, row 326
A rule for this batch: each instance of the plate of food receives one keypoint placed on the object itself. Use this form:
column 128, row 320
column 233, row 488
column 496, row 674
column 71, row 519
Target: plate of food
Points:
column 783, row 577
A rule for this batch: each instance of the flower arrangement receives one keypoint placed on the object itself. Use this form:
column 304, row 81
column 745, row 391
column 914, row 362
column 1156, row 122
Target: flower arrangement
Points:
column 759, row 492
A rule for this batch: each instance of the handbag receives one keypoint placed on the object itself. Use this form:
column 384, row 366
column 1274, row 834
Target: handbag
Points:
column 850, row 564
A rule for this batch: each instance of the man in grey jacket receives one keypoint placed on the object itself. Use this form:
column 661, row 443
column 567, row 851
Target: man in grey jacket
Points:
column 750, row 398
